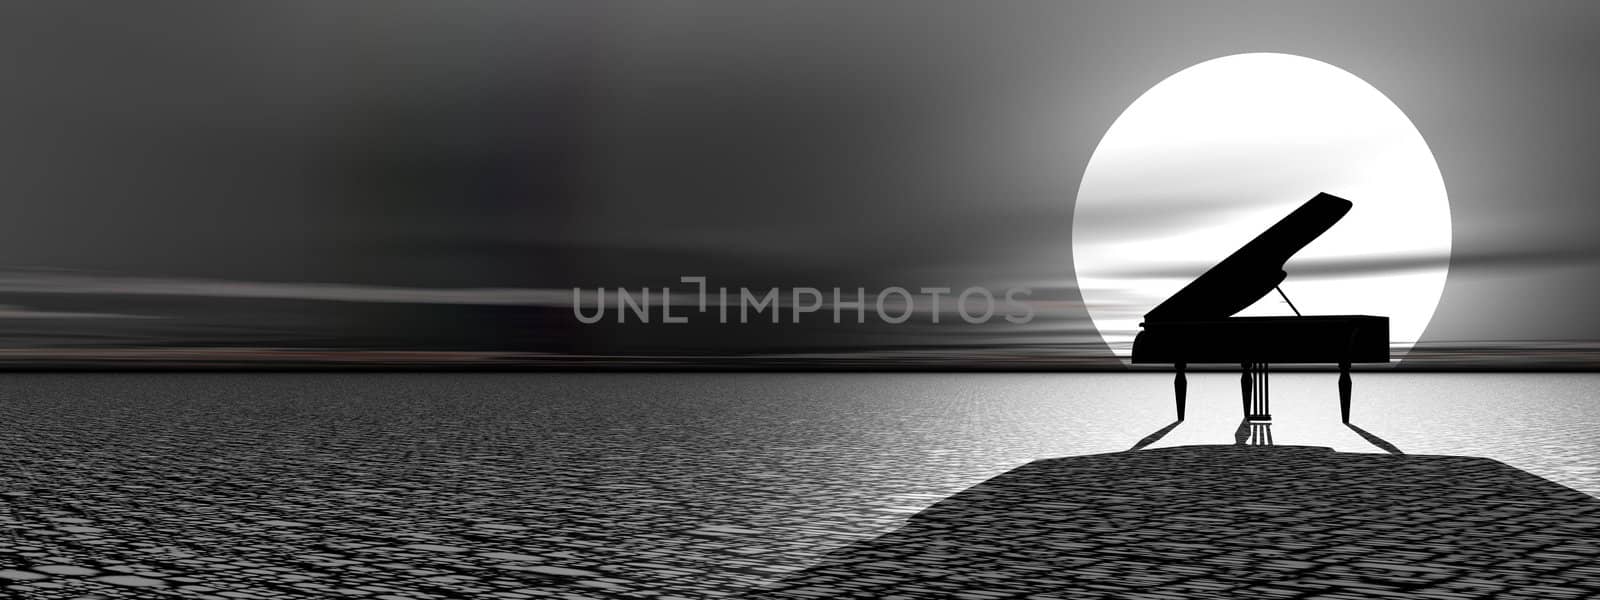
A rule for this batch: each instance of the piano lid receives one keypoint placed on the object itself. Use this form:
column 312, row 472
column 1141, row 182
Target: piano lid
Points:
column 1254, row 269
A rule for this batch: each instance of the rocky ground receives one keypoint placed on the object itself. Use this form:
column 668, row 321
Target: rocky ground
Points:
column 452, row 486
column 1234, row 522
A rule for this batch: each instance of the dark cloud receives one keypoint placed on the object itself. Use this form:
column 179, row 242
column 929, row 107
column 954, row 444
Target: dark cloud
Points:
column 320, row 155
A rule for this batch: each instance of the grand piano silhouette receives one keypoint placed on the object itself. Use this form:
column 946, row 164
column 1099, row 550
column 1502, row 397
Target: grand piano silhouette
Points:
column 1197, row 326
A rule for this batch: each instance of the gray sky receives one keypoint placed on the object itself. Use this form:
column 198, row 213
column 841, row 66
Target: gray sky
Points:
column 409, row 175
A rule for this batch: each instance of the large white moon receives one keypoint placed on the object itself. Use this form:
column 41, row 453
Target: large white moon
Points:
column 1213, row 155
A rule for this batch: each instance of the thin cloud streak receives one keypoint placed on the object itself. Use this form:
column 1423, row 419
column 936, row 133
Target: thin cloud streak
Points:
column 54, row 283
column 20, row 312
column 72, row 283
column 1397, row 263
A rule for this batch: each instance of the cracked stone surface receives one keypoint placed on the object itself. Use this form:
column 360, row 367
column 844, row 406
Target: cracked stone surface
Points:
column 1234, row 522
column 641, row 486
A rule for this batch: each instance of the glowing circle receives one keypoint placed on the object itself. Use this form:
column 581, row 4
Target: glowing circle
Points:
column 1216, row 153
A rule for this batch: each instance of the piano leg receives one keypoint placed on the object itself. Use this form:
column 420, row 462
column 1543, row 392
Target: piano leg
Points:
column 1180, row 387
column 1344, row 392
column 1245, row 384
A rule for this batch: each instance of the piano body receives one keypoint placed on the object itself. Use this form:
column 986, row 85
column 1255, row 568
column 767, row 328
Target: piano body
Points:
column 1197, row 326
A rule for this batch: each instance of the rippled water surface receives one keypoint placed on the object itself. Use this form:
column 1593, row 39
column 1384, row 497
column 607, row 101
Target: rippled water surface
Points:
column 641, row 485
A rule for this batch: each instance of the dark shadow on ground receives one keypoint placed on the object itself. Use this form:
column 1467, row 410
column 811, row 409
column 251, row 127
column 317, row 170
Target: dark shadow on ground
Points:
column 1381, row 443
column 1241, row 435
column 1235, row 521
column 1156, row 437
column 1253, row 433
column 1260, row 434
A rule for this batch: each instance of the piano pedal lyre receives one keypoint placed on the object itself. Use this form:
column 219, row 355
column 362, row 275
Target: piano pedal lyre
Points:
column 1256, row 388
